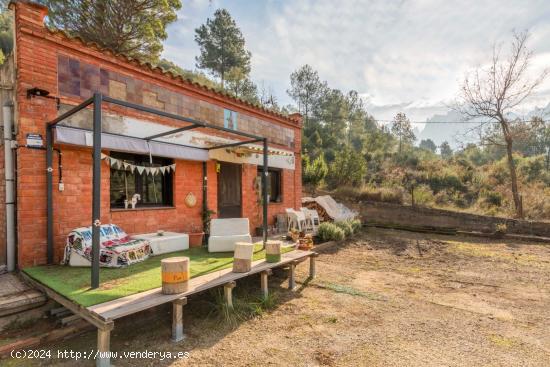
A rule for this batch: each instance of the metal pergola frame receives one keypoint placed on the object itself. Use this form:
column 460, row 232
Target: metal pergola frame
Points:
column 97, row 101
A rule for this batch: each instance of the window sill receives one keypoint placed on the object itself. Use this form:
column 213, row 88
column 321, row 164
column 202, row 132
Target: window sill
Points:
column 143, row 208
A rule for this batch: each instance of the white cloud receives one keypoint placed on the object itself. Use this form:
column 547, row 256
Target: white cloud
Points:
column 410, row 54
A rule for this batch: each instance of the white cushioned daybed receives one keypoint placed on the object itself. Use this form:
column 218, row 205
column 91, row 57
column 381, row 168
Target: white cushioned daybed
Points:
column 165, row 243
column 224, row 233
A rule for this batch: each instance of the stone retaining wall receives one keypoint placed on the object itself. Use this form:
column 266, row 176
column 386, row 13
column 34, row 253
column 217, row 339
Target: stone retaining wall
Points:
column 396, row 214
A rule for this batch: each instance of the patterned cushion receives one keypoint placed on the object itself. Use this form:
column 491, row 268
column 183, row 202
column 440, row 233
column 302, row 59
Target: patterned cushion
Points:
column 117, row 248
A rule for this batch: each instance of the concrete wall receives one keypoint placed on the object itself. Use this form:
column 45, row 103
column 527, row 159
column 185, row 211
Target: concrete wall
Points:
column 418, row 216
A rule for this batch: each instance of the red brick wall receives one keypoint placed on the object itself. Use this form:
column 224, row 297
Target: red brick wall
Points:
column 37, row 53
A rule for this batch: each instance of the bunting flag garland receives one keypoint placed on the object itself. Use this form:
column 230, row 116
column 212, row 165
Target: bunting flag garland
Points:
column 125, row 166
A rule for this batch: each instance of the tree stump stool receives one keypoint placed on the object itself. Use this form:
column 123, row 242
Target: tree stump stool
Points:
column 175, row 274
column 273, row 251
column 242, row 261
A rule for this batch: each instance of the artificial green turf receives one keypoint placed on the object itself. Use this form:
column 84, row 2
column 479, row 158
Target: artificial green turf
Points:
column 74, row 282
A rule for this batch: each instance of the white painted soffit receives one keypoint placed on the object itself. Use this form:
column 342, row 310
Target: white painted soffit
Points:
column 134, row 130
column 274, row 161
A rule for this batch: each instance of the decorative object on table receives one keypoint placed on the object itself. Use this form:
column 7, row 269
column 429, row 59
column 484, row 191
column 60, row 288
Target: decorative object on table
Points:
column 175, row 274
column 117, row 249
column 242, row 261
column 306, row 243
column 190, row 200
column 165, row 243
column 273, row 251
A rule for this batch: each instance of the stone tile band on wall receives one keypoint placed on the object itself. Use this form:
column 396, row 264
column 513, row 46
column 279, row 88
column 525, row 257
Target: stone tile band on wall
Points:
column 81, row 80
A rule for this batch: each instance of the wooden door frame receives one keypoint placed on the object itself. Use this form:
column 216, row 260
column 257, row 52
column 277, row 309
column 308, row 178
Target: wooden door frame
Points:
column 240, row 165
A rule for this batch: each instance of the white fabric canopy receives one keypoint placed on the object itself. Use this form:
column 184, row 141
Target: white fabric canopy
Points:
column 68, row 135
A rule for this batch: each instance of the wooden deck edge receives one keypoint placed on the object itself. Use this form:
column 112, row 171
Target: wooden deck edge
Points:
column 75, row 308
column 134, row 299
column 103, row 323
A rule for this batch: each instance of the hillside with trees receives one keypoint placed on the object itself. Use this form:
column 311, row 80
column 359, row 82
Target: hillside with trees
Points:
column 505, row 173
column 502, row 168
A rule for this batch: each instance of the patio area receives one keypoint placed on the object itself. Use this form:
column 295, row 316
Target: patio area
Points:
column 127, row 291
column 74, row 282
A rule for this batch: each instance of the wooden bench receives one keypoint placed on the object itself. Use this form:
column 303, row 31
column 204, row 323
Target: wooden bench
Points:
column 104, row 314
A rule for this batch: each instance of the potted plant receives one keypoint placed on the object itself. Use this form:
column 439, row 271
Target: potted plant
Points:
column 206, row 218
column 294, row 234
column 196, row 236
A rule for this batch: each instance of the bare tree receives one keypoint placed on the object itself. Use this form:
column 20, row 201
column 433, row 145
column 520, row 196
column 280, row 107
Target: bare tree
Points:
column 490, row 94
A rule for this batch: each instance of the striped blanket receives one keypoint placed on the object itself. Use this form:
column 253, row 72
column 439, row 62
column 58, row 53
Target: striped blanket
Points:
column 117, row 248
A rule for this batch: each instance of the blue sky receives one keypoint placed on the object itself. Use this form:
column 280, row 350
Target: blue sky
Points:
column 399, row 55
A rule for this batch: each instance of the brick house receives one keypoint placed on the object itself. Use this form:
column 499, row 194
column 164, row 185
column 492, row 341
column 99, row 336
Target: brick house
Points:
column 70, row 71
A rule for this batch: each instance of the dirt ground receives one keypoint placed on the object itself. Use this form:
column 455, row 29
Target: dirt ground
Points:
column 384, row 298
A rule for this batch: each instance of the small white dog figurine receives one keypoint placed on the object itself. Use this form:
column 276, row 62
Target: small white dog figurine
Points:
column 135, row 199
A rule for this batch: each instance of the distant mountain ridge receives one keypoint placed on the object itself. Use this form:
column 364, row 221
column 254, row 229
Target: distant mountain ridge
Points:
column 457, row 134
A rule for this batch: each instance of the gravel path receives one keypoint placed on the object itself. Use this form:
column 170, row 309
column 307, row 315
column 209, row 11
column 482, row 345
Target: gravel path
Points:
column 384, row 298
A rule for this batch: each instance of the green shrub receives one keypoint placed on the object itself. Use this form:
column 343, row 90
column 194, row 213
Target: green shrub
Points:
column 346, row 227
column 383, row 194
column 533, row 168
column 423, row 195
column 347, row 192
column 314, row 172
column 445, row 180
column 392, row 195
column 356, row 225
column 348, row 168
column 330, row 232
column 370, row 194
column 492, row 198
column 442, row 198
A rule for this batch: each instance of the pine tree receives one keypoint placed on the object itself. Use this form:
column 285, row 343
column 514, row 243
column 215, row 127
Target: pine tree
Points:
column 445, row 150
column 222, row 47
column 401, row 128
column 428, row 144
column 132, row 27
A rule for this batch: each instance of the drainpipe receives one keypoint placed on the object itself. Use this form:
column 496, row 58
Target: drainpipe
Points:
column 9, row 145
column 204, row 199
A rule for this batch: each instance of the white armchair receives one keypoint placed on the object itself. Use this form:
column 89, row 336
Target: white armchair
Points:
column 296, row 219
column 312, row 219
column 226, row 232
